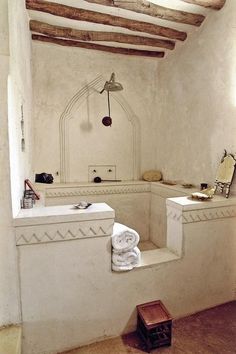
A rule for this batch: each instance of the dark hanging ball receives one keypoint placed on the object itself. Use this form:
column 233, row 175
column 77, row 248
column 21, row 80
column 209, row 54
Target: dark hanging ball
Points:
column 107, row 121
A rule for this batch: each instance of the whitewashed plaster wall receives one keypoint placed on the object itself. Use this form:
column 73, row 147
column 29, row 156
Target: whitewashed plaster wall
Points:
column 59, row 73
column 4, row 36
column 20, row 94
column 197, row 101
column 9, row 299
column 71, row 297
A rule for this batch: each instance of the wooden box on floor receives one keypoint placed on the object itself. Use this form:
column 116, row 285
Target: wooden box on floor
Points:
column 154, row 324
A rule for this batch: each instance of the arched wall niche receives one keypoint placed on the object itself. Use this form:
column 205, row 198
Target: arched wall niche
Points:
column 72, row 114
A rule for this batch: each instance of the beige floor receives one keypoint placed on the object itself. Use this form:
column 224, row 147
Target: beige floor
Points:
column 208, row 332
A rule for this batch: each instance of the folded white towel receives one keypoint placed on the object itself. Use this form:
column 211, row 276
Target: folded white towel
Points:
column 124, row 238
column 129, row 258
column 116, row 268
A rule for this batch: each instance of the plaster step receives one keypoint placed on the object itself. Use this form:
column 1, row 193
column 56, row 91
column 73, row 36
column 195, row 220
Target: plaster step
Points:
column 10, row 340
column 146, row 246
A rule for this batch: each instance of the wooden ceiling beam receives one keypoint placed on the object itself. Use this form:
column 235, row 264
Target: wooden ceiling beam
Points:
column 211, row 4
column 95, row 36
column 116, row 50
column 105, row 19
column 148, row 8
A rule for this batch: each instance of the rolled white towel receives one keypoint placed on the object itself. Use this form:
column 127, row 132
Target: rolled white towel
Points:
column 116, row 268
column 124, row 238
column 129, row 258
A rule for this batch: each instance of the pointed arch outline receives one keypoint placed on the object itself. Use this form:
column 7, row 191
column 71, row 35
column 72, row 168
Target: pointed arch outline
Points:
column 95, row 86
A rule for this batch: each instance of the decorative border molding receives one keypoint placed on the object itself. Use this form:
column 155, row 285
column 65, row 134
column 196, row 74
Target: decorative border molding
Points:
column 96, row 190
column 38, row 234
column 199, row 215
column 174, row 214
column 95, row 86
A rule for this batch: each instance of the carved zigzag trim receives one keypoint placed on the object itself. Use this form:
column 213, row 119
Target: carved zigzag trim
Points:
column 202, row 214
column 209, row 214
column 174, row 214
column 28, row 235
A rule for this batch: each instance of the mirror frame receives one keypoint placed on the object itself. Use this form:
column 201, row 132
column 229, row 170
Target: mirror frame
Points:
column 225, row 183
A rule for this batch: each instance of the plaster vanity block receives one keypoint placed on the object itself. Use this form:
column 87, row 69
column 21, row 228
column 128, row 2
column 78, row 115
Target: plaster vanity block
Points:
column 158, row 218
column 71, row 297
column 211, row 225
column 182, row 211
column 62, row 223
column 140, row 205
column 63, row 254
column 129, row 199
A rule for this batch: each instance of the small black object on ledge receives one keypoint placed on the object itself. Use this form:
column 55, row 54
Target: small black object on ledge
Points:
column 99, row 180
column 44, row 178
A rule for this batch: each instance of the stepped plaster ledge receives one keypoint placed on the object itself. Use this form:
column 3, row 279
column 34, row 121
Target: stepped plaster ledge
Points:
column 186, row 210
column 187, row 203
column 62, row 214
column 63, row 223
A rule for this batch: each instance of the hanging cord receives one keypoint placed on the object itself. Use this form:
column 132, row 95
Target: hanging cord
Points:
column 108, row 101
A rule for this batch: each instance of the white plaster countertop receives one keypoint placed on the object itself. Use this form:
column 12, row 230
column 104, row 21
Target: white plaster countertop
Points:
column 187, row 203
column 62, row 213
column 175, row 187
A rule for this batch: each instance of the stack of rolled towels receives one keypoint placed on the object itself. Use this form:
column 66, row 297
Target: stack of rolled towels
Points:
column 125, row 253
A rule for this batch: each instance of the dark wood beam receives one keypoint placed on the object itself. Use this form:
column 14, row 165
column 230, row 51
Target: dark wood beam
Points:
column 105, row 19
column 116, row 50
column 212, row 4
column 148, row 8
column 95, row 36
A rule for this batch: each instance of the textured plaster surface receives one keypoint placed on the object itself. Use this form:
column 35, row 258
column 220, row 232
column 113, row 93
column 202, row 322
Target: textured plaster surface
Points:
column 185, row 103
column 15, row 165
column 158, row 219
column 58, row 74
column 9, row 306
column 4, row 44
column 19, row 99
column 71, row 297
column 197, row 101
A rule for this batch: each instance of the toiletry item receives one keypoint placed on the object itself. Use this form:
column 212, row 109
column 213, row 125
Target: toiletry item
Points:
column 200, row 196
column 29, row 194
column 82, row 205
column 27, row 202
